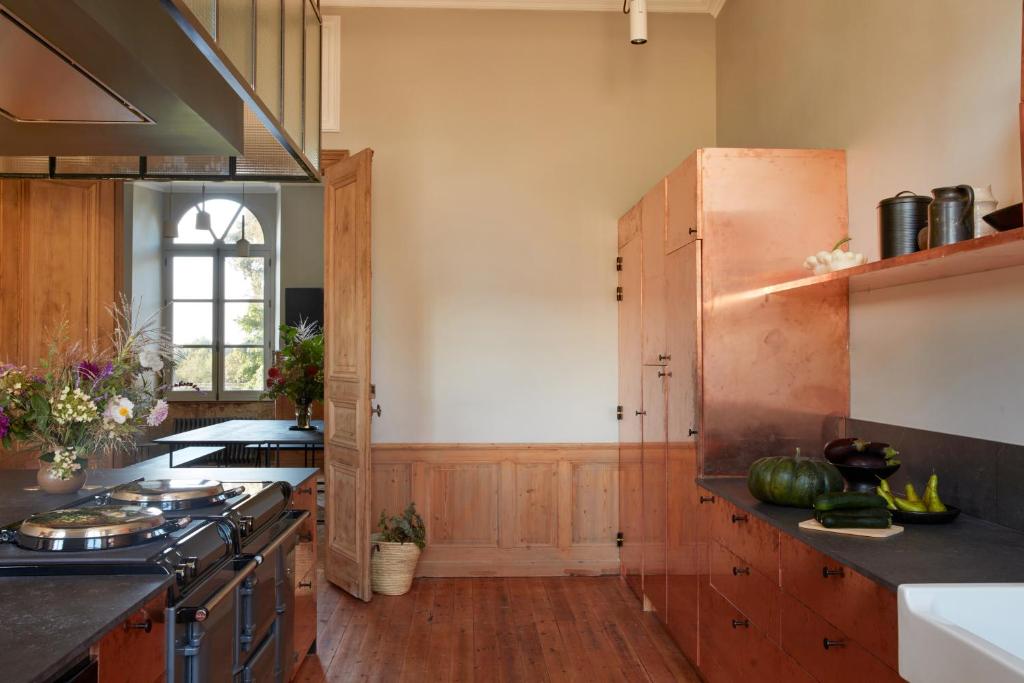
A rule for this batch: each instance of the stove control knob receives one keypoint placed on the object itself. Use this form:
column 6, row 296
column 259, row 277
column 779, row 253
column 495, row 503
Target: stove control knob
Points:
column 185, row 569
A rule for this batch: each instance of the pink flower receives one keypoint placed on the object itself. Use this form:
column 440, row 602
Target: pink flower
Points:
column 158, row 414
column 5, row 423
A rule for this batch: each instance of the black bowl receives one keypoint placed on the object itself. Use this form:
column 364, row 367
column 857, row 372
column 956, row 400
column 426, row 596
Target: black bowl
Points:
column 926, row 517
column 865, row 479
column 1007, row 218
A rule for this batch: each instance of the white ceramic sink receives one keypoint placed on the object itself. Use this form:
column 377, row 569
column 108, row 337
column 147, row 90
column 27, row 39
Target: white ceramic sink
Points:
column 962, row 632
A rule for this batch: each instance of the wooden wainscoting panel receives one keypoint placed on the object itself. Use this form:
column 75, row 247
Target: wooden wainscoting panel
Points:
column 506, row 509
column 536, row 504
column 595, row 503
column 391, row 489
column 463, row 504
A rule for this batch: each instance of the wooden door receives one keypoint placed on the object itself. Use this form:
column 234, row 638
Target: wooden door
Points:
column 347, row 372
column 682, row 195
column 652, row 228
column 631, row 402
column 61, row 251
column 655, row 451
column 684, row 551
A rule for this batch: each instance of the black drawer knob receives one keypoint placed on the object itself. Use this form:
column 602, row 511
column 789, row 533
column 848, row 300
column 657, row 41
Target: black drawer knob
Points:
column 307, row 491
column 693, row 231
column 707, row 499
column 829, row 644
column 737, row 571
column 739, row 518
column 741, row 623
column 306, row 584
column 826, row 572
column 146, row 626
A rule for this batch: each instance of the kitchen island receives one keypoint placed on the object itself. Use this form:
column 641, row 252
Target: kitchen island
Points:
column 51, row 622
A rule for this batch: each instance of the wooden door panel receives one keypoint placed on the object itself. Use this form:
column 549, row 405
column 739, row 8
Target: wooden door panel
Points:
column 655, row 488
column 629, row 224
column 652, row 227
column 683, row 221
column 630, row 512
column 392, row 488
column 347, row 372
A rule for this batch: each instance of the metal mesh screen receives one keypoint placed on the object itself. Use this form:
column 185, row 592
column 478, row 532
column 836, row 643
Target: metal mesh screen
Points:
column 97, row 165
column 187, row 166
column 264, row 155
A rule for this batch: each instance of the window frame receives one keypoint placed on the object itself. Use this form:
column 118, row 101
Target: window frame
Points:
column 221, row 251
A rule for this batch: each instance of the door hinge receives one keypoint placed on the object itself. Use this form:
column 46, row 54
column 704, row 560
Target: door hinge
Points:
column 618, row 263
column 618, row 412
column 618, row 293
column 619, row 539
column 373, row 391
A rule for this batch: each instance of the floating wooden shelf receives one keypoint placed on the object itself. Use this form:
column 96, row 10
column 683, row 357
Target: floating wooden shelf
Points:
column 1002, row 250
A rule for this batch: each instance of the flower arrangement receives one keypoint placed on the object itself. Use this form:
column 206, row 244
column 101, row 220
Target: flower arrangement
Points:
column 298, row 372
column 79, row 403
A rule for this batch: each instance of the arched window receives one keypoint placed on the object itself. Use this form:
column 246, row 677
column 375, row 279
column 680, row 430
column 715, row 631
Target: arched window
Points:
column 220, row 301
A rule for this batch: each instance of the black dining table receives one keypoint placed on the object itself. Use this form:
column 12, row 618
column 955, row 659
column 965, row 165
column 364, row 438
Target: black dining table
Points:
column 267, row 437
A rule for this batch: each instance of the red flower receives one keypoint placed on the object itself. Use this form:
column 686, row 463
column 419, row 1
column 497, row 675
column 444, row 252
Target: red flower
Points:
column 274, row 373
column 311, row 370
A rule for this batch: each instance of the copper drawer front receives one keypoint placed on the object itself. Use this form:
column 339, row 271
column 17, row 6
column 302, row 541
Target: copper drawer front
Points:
column 733, row 649
column 864, row 610
column 753, row 541
column 825, row 651
column 752, row 592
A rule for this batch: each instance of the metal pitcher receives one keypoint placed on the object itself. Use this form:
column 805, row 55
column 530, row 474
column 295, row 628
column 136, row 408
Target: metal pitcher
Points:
column 951, row 215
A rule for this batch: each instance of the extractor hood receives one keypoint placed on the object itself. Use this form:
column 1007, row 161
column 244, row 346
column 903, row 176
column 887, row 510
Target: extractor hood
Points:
column 160, row 89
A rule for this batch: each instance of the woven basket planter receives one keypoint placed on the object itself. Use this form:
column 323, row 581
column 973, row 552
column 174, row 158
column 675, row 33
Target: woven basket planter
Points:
column 393, row 566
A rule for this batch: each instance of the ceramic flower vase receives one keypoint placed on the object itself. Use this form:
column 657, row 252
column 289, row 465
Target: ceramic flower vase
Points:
column 51, row 483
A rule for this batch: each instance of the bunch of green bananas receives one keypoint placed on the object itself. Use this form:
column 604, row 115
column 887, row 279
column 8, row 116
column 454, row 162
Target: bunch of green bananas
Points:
column 914, row 503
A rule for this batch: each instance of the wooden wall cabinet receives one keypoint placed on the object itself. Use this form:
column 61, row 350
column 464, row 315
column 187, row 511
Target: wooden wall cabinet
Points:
column 714, row 374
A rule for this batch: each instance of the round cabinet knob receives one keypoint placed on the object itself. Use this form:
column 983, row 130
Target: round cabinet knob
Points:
column 741, row 623
column 739, row 518
column 145, row 626
column 826, row 572
column 306, row 584
column 829, row 644
column 707, row 499
column 737, row 571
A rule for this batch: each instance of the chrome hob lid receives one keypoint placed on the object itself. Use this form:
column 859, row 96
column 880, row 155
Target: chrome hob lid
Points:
column 99, row 527
column 92, row 522
column 164, row 490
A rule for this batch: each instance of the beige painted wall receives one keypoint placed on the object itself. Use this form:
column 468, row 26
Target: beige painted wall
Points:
column 922, row 93
column 507, row 145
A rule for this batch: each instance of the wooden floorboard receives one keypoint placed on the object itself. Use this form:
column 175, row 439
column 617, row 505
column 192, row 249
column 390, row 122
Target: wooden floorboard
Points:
column 519, row 630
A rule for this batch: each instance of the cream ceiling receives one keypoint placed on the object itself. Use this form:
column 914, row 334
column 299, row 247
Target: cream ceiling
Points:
column 711, row 7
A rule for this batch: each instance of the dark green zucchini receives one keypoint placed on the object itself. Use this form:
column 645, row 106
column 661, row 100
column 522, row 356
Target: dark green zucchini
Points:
column 856, row 519
column 848, row 501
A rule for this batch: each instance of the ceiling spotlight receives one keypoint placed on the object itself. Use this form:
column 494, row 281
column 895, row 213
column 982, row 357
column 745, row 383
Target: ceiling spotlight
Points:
column 170, row 226
column 202, row 217
column 242, row 245
column 637, row 11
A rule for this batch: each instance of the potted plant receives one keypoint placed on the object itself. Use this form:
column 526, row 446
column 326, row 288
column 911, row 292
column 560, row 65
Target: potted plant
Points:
column 298, row 371
column 396, row 550
column 77, row 403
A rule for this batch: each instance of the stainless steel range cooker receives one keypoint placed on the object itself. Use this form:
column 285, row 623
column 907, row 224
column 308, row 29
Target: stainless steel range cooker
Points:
column 229, row 547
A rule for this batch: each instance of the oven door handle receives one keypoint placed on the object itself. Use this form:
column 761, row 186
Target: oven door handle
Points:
column 202, row 613
column 280, row 538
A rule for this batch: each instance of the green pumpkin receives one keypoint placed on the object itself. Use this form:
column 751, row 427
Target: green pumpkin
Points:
column 795, row 481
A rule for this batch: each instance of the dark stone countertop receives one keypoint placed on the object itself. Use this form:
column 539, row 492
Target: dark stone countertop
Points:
column 969, row 550
column 48, row 623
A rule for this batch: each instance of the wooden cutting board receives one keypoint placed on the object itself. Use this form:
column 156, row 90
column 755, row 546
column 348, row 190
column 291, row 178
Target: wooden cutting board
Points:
column 814, row 525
